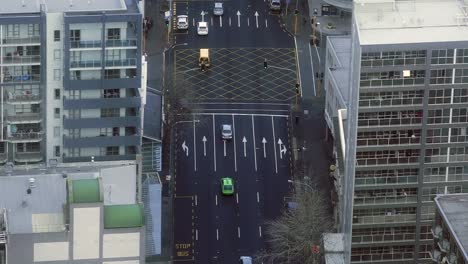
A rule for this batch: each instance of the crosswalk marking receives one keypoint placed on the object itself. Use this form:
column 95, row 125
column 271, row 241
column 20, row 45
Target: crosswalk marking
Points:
column 213, row 22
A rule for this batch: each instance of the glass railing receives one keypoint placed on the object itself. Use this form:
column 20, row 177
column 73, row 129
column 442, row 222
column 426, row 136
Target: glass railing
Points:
column 86, row 64
column 25, row 117
column 26, row 40
column 25, row 136
column 22, row 78
column 386, row 180
column 388, row 141
column 386, row 161
column 21, row 59
column 121, row 63
column 28, row 156
column 85, row 44
column 383, row 219
column 384, row 200
column 121, row 43
column 382, row 238
column 22, row 97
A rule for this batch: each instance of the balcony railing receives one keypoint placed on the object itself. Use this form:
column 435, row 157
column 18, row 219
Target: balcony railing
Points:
column 22, row 59
column 121, row 63
column 382, row 238
column 385, row 200
column 85, row 44
column 386, row 180
column 27, row 40
column 389, row 141
column 386, row 161
column 86, row 64
column 25, row 118
column 384, row 219
column 121, row 43
column 28, row 156
column 16, row 97
column 25, row 78
column 25, row 136
column 390, row 102
column 390, row 122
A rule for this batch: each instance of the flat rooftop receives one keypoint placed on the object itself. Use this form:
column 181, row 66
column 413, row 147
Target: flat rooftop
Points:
column 454, row 210
column 411, row 21
column 61, row 6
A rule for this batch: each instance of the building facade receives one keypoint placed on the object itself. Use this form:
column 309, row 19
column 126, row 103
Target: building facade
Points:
column 405, row 125
column 71, row 80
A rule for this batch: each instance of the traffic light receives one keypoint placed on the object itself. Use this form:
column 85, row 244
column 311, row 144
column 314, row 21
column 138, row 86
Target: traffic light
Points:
column 167, row 23
column 265, row 64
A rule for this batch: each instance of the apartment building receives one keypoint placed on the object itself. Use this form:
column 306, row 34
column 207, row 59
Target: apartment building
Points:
column 399, row 118
column 450, row 230
column 71, row 80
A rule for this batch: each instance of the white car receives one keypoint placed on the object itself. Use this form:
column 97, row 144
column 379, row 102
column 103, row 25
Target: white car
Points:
column 226, row 131
column 202, row 28
column 182, row 22
column 218, row 9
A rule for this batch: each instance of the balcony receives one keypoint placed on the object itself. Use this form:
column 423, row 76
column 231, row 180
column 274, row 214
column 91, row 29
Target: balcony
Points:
column 36, row 40
column 383, row 219
column 21, row 137
column 27, row 59
column 444, row 245
column 101, row 103
column 365, row 201
column 101, row 141
column 25, row 78
column 376, row 181
column 124, row 63
column 23, row 98
column 365, row 162
column 99, row 158
column 389, row 141
column 98, row 122
column 117, row 43
column 436, row 231
column 25, row 157
column 96, row 64
column 382, row 238
column 25, row 118
column 90, row 44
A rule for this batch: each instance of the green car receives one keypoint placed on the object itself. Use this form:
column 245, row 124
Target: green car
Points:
column 227, row 186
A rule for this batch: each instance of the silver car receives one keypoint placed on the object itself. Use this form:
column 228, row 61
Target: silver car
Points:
column 226, row 132
column 218, row 9
column 275, row 5
column 182, row 22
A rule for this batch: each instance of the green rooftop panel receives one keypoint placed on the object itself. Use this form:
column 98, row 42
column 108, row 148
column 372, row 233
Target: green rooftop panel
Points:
column 85, row 191
column 123, row 216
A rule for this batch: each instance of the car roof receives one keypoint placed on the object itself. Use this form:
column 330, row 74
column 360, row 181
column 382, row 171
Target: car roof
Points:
column 218, row 4
column 227, row 180
column 226, row 126
column 202, row 24
column 182, row 16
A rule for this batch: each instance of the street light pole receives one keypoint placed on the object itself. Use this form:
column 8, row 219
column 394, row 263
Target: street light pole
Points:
column 164, row 61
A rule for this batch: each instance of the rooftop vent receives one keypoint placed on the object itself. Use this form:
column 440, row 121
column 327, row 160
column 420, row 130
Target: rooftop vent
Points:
column 23, row 4
column 71, row 3
column 32, row 183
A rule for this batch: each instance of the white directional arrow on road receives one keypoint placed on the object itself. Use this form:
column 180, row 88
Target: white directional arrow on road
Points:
column 185, row 148
column 282, row 150
column 203, row 16
column 264, row 147
column 256, row 18
column 204, row 145
column 238, row 18
column 224, row 148
column 244, row 140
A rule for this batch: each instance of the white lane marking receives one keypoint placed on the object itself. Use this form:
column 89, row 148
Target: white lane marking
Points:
column 264, row 141
column 256, row 18
column 216, row 199
column 274, row 145
column 211, row 21
column 266, row 22
column 238, row 18
column 185, row 148
column 237, row 197
column 248, row 22
column 204, row 145
column 280, row 146
column 316, row 50
column 238, row 232
column 220, row 21
column 258, row 197
column 214, row 145
column 244, row 141
column 229, row 21
column 313, row 73
column 298, row 66
column 217, row 234
column 196, row 234
column 196, row 200
column 194, row 147
column 234, row 133
column 254, row 144
column 193, row 21
column 224, row 148
column 260, row 231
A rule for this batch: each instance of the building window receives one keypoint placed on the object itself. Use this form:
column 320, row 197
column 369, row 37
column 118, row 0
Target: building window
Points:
column 74, row 114
column 441, row 76
column 75, row 75
column 111, row 93
column 57, row 151
column 57, row 112
column 442, row 56
column 57, row 94
column 57, row 54
column 113, row 33
column 56, row 35
column 57, row 74
column 56, row 131
column 33, row 30
column 75, row 35
column 462, row 55
column 13, row 31
column 112, row 74
column 110, row 112
column 74, row 133
column 110, row 151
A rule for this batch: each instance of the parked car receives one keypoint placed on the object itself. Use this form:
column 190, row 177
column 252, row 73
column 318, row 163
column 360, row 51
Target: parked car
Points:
column 218, row 9
column 202, row 28
column 182, row 22
column 275, row 5
column 226, row 131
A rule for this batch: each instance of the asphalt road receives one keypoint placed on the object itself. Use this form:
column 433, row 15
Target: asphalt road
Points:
column 227, row 227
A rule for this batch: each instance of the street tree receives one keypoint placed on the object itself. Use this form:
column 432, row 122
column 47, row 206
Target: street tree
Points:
column 295, row 236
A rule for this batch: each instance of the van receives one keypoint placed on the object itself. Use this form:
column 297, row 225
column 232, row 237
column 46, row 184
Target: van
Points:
column 245, row 260
column 275, row 5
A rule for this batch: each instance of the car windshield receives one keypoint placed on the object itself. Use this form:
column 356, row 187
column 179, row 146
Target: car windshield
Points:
column 226, row 131
column 227, row 187
column 275, row 3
